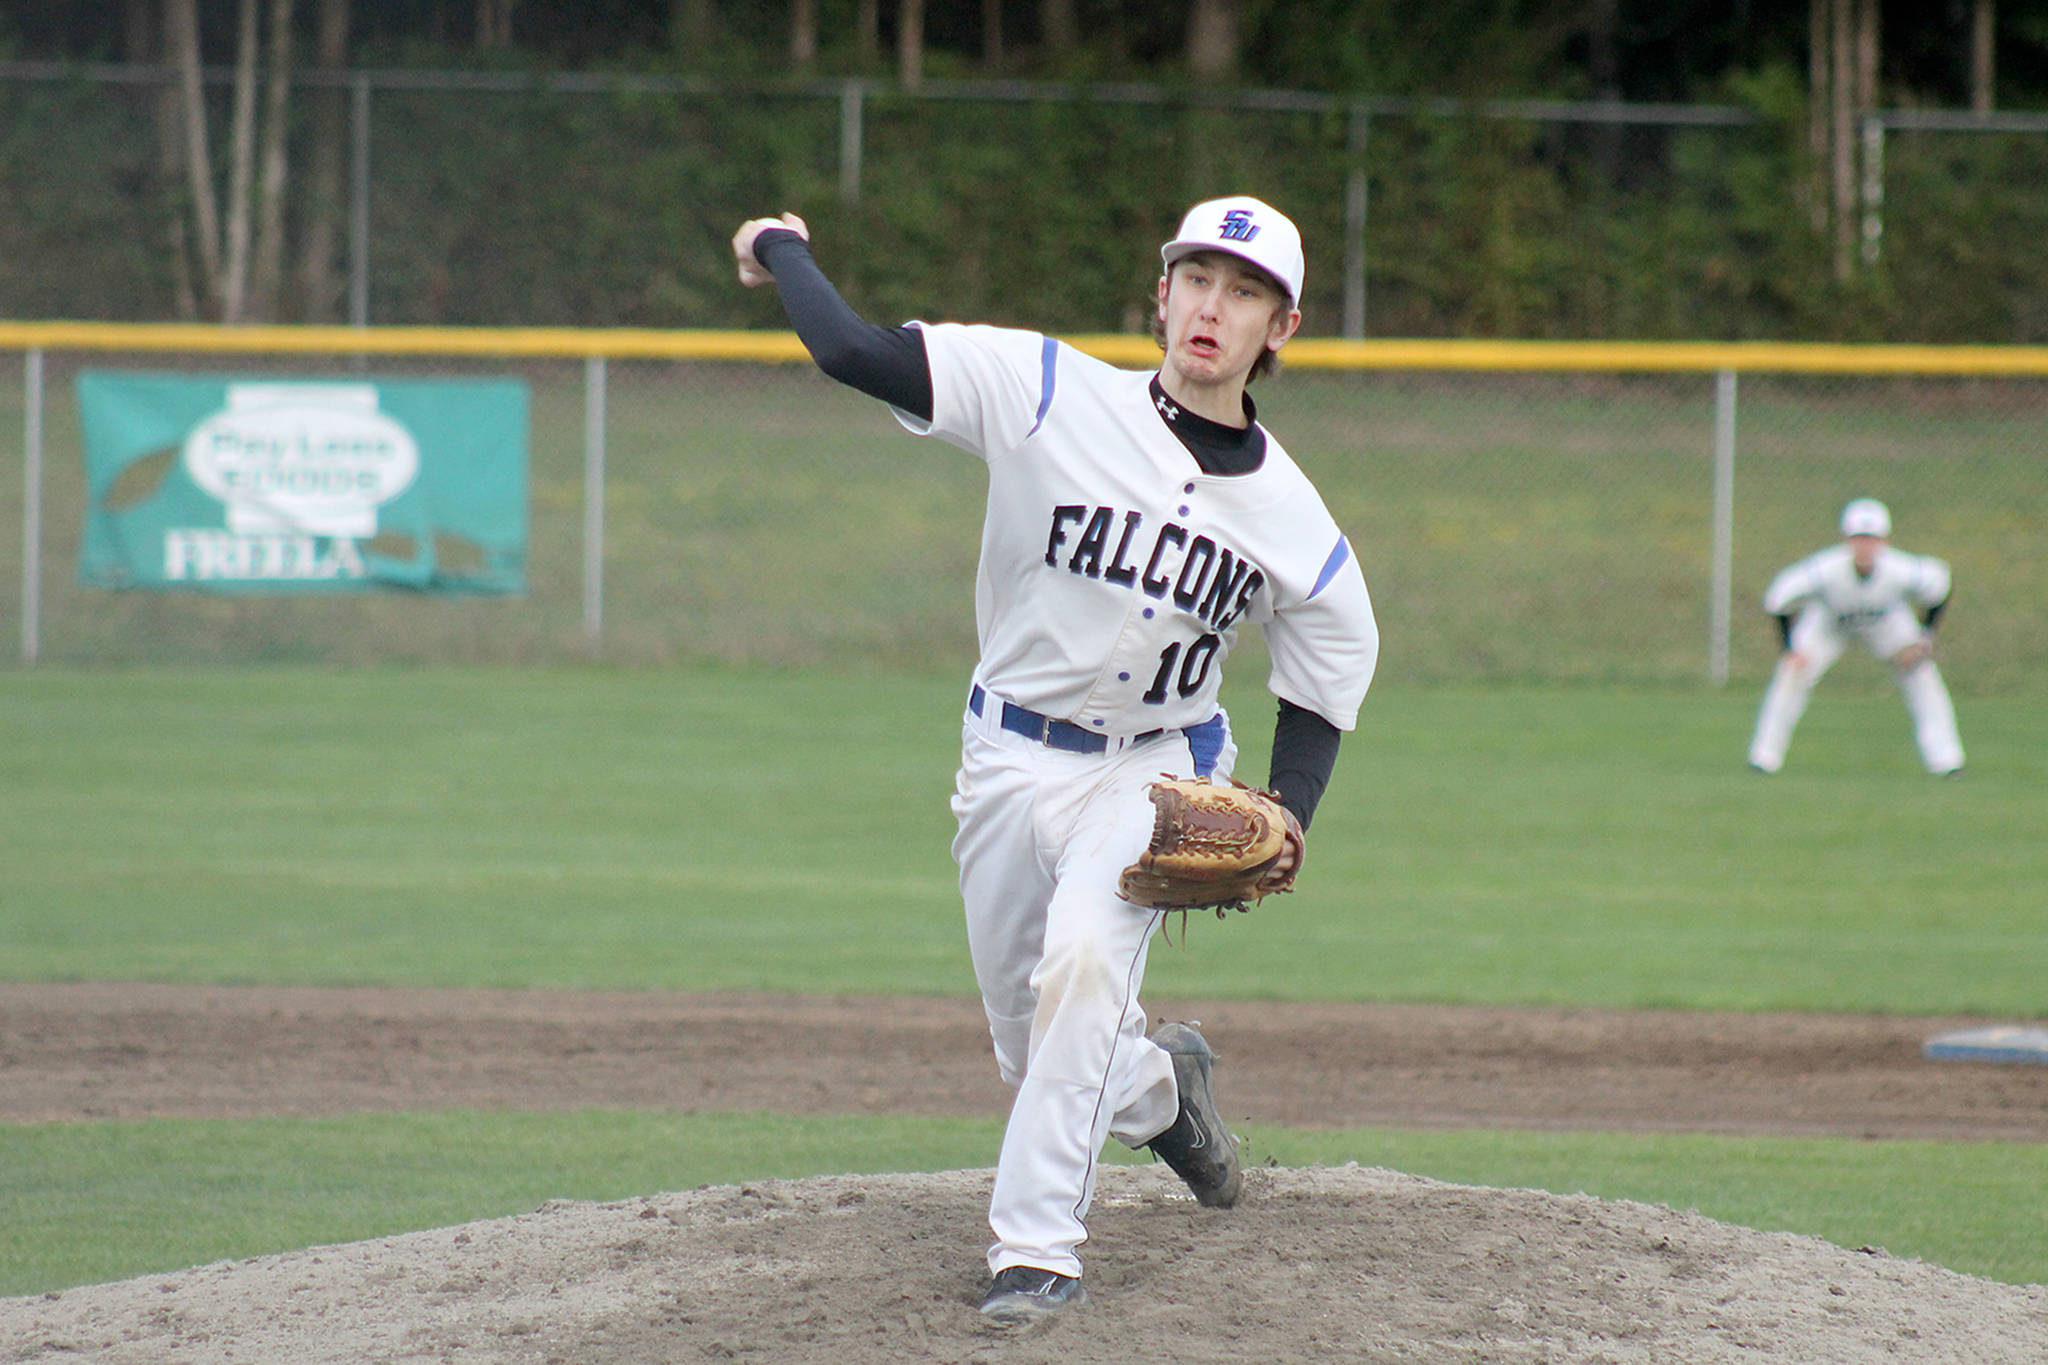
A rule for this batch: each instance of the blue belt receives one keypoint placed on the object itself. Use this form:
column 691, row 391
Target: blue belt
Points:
column 1054, row 734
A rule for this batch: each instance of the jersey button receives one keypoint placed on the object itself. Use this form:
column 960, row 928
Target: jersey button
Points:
column 1123, row 677
column 1187, row 488
column 1183, row 509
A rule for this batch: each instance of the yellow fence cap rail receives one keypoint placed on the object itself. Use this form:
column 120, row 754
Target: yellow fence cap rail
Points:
column 624, row 343
column 628, row 343
column 1696, row 356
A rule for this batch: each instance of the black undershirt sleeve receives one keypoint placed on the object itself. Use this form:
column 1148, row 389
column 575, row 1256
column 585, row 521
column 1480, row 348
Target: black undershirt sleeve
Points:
column 888, row 363
column 1934, row 613
column 1784, row 631
column 1304, row 755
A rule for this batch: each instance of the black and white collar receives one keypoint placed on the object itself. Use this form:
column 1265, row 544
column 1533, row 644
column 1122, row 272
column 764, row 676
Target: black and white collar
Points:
column 1218, row 449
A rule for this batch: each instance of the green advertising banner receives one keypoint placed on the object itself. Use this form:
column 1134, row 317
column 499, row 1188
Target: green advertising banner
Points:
column 249, row 485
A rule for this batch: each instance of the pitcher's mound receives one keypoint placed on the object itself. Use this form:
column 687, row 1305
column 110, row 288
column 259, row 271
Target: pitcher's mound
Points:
column 1347, row 1263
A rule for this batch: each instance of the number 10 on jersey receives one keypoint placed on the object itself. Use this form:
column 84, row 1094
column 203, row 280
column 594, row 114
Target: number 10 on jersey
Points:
column 1193, row 670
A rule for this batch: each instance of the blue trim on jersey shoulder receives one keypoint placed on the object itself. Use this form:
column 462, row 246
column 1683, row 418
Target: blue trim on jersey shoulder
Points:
column 1205, row 743
column 1330, row 566
column 1048, row 366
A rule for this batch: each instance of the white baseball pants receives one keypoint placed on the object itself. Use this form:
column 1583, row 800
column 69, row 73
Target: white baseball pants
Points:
column 1819, row 639
column 1059, row 957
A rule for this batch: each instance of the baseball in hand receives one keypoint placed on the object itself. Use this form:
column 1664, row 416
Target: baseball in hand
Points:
column 752, row 272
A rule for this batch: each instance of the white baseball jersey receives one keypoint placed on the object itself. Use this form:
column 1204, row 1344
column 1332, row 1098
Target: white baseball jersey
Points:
column 1828, row 579
column 1109, row 593
column 1834, row 605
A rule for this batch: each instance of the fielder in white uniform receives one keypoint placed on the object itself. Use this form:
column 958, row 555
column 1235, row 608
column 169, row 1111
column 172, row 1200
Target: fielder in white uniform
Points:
column 1134, row 523
column 1861, row 589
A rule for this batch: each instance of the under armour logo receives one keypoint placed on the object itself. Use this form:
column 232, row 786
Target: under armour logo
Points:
column 1166, row 409
column 1238, row 226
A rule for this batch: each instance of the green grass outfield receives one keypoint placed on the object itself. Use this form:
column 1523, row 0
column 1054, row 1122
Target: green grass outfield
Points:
column 748, row 829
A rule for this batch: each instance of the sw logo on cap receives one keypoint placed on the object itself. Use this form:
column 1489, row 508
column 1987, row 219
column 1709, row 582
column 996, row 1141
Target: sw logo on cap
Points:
column 1238, row 226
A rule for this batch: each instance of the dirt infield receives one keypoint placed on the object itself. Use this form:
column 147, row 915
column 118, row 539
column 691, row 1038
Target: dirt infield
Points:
column 1352, row 1264
column 129, row 1051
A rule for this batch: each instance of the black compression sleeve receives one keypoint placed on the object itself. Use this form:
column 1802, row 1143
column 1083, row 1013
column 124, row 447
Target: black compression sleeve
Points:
column 1304, row 755
column 1934, row 613
column 1784, row 631
column 888, row 363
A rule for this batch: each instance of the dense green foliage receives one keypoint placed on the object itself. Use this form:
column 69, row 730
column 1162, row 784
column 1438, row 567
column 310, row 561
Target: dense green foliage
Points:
column 1633, row 49
column 596, row 208
column 600, row 210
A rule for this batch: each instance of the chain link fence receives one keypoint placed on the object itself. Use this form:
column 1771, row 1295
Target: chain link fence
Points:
column 589, row 199
column 1549, row 526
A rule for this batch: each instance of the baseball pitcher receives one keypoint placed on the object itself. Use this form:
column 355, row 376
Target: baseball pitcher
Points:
column 1135, row 522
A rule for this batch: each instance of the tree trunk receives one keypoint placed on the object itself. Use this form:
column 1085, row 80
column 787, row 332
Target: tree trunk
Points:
column 494, row 23
column 234, row 292
column 138, row 31
column 1056, row 25
column 1867, row 224
column 867, row 31
column 170, row 157
column 1842, row 143
column 1212, row 39
column 1603, row 50
column 692, row 26
column 910, row 44
column 1603, row 61
column 181, row 33
column 1866, row 56
column 803, row 34
column 1983, row 27
column 1819, row 102
column 267, row 274
column 992, row 34
column 167, row 103
column 320, row 283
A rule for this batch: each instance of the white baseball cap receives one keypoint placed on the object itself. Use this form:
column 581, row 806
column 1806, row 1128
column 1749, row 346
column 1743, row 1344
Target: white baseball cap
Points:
column 1246, row 227
column 1866, row 517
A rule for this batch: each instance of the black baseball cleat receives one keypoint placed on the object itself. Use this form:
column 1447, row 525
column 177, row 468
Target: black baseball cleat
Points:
column 1022, row 1294
column 1198, row 1146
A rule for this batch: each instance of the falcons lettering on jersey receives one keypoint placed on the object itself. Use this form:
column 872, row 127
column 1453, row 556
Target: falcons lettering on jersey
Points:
column 1212, row 581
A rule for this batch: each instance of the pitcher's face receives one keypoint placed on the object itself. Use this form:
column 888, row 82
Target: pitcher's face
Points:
column 1220, row 313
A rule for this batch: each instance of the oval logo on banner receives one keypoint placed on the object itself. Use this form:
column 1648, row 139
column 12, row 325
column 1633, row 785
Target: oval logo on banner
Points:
column 313, row 458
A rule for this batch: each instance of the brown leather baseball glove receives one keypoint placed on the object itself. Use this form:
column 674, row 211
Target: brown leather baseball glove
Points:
column 1213, row 845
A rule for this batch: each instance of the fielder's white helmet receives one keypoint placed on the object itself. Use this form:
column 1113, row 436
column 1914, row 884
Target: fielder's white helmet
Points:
column 1866, row 517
